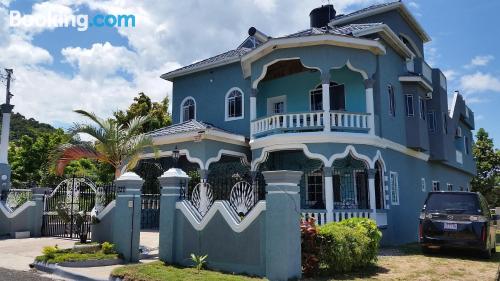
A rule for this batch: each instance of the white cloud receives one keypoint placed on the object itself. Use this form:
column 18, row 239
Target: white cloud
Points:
column 44, row 10
column 479, row 82
column 450, row 74
column 480, row 61
column 414, row 5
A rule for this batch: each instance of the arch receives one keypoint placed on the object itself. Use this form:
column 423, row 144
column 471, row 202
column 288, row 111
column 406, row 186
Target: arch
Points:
column 378, row 157
column 184, row 152
column 256, row 82
column 226, row 104
column 412, row 46
column 350, row 150
column 299, row 146
column 181, row 115
column 354, row 69
column 241, row 155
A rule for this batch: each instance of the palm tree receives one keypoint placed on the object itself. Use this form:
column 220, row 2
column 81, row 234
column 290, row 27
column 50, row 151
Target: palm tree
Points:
column 119, row 145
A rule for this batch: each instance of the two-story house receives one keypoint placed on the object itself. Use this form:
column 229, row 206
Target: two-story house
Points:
column 350, row 101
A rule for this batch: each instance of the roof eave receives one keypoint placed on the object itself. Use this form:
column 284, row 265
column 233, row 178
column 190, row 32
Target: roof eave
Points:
column 400, row 6
column 389, row 36
column 170, row 76
column 201, row 134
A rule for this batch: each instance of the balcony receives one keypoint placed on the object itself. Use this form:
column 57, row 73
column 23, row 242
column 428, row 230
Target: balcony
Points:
column 310, row 122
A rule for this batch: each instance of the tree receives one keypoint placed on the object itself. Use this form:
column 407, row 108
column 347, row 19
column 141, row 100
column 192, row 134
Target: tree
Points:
column 488, row 168
column 116, row 144
column 157, row 113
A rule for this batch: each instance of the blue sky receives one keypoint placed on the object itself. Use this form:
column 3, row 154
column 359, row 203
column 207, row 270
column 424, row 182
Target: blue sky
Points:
column 102, row 69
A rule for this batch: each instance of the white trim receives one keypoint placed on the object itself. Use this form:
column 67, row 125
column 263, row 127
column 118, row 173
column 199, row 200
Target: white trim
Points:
column 298, row 140
column 106, row 210
column 401, row 8
column 417, row 79
column 226, row 111
column 394, row 176
column 388, row 35
column 11, row 215
column 282, row 192
column 378, row 157
column 179, row 73
column 423, row 185
column 412, row 43
column 169, row 153
column 197, row 136
column 181, row 115
column 453, row 104
column 352, row 151
column 227, row 213
column 412, row 105
column 241, row 155
column 373, row 46
column 255, row 83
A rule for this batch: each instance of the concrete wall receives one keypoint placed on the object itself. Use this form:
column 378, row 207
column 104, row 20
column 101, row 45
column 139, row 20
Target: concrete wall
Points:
column 101, row 231
column 27, row 217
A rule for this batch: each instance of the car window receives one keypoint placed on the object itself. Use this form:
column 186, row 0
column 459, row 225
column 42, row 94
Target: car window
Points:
column 453, row 203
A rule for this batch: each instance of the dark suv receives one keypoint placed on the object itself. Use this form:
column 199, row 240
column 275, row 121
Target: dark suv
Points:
column 457, row 220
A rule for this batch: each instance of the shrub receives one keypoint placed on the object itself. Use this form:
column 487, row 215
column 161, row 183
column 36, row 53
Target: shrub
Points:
column 50, row 251
column 349, row 244
column 310, row 249
column 199, row 261
column 108, row 248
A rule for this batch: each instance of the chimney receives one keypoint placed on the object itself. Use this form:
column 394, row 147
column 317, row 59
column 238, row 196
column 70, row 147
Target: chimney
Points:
column 321, row 16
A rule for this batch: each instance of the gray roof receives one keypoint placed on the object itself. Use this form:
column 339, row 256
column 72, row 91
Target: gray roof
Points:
column 341, row 30
column 184, row 127
column 369, row 8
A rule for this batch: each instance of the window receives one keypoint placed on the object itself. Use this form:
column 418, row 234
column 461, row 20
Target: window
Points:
column 435, row 186
column 431, row 121
column 445, row 123
column 314, row 187
column 422, row 184
column 466, row 145
column 234, row 104
column 317, row 99
column 409, row 105
column 188, row 109
column 421, row 103
column 449, row 186
column 394, row 184
column 276, row 105
column 337, row 96
column 392, row 104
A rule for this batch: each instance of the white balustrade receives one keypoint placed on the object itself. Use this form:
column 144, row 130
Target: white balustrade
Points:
column 340, row 215
column 290, row 122
column 346, row 120
column 320, row 217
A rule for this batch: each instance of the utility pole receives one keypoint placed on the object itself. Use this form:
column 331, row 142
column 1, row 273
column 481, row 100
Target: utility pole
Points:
column 6, row 108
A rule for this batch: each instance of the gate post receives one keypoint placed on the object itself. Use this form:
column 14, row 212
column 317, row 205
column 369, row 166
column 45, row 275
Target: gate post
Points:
column 38, row 198
column 127, row 216
column 283, row 252
column 170, row 183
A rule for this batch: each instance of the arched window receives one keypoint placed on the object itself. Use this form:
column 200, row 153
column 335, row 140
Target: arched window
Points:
column 188, row 109
column 234, row 104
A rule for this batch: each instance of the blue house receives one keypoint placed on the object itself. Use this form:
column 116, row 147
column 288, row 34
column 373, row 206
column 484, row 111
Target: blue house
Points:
column 350, row 101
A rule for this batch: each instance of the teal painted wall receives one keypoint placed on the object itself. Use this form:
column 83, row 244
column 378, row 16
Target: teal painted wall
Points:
column 354, row 88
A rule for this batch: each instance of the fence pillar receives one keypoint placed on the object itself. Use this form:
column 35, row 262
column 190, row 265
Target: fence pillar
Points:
column 371, row 189
column 283, row 256
column 38, row 197
column 327, row 172
column 127, row 216
column 170, row 183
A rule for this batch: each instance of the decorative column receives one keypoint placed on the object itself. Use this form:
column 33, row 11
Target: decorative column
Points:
column 127, row 216
column 371, row 190
column 253, row 109
column 325, row 86
column 170, row 183
column 283, row 253
column 37, row 219
column 327, row 173
column 5, row 171
column 370, row 106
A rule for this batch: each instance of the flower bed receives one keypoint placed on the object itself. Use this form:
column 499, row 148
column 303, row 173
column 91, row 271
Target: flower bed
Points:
column 54, row 255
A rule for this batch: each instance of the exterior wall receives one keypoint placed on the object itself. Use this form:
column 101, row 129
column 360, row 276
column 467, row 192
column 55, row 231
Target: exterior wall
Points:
column 417, row 135
column 102, row 232
column 209, row 89
column 27, row 217
column 438, row 104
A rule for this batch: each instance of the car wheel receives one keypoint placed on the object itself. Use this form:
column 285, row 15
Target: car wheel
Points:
column 426, row 250
column 487, row 254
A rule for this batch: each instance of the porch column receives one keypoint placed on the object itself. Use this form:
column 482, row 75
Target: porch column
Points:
column 325, row 85
column 370, row 106
column 371, row 189
column 327, row 172
column 253, row 110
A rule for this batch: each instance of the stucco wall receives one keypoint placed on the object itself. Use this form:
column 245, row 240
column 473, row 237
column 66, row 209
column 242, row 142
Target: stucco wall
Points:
column 27, row 218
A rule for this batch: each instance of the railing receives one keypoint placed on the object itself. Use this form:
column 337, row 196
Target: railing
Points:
column 426, row 71
column 318, row 215
column 459, row 157
column 338, row 215
column 347, row 120
column 288, row 122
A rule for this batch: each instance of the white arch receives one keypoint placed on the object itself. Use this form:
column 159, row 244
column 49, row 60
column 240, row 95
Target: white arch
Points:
column 378, row 157
column 241, row 155
column 181, row 115
column 352, row 68
column 350, row 150
column 226, row 112
column 295, row 146
column 184, row 152
column 265, row 67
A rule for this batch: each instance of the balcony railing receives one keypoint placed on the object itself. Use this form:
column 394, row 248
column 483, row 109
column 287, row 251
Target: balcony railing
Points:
column 426, row 71
column 340, row 215
column 309, row 121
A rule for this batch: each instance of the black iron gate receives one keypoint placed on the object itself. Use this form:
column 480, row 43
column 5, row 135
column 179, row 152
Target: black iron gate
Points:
column 150, row 211
column 67, row 209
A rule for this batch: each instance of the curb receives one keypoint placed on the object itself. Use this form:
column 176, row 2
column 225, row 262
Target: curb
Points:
column 90, row 263
column 59, row 271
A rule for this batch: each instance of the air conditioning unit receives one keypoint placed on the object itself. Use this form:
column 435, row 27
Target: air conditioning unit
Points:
column 428, row 95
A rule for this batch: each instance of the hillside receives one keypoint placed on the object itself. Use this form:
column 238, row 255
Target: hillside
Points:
column 20, row 126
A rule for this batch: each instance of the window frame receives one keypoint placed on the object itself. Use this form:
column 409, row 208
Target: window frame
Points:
column 466, row 145
column 421, row 108
column 315, row 174
column 394, row 187
column 408, row 114
column 272, row 100
column 181, row 116
column 226, row 105
column 392, row 100
column 315, row 91
column 423, row 185
column 436, row 184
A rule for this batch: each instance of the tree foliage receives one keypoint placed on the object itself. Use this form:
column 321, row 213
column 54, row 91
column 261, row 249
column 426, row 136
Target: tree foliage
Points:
column 20, row 126
column 157, row 113
column 487, row 159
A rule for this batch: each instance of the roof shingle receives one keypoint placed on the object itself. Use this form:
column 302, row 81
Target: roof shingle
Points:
column 184, row 127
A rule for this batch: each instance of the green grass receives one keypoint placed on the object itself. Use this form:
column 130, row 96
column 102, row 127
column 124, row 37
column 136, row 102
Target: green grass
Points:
column 158, row 271
column 69, row 256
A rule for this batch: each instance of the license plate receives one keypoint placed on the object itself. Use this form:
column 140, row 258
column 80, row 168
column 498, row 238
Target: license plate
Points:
column 450, row 226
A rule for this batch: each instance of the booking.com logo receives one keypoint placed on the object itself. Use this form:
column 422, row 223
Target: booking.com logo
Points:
column 80, row 22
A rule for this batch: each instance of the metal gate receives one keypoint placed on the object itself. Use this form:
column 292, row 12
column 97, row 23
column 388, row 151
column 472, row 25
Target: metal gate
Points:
column 67, row 209
column 150, row 211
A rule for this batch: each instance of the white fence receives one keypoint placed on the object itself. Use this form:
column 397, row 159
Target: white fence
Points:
column 292, row 121
column 340, row 215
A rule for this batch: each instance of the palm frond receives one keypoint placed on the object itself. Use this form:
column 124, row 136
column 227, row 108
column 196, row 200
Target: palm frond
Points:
column 69, row 152
column 93, row 131
column 135, row 125
column 92, row 116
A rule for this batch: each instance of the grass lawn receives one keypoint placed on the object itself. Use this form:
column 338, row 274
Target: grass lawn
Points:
column 158, row 271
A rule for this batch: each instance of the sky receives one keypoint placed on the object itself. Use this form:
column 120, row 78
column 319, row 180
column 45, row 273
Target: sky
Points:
column 58, row 70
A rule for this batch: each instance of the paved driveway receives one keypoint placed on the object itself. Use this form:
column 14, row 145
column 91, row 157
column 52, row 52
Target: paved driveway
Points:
column 17, row 254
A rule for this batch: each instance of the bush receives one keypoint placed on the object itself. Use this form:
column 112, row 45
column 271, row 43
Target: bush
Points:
column 349, row 244
column 50, row 251
column 108, row 248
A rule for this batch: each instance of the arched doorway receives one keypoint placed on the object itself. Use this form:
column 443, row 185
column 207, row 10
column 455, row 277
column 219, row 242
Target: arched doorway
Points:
column 350, row 184
column 379, row 186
